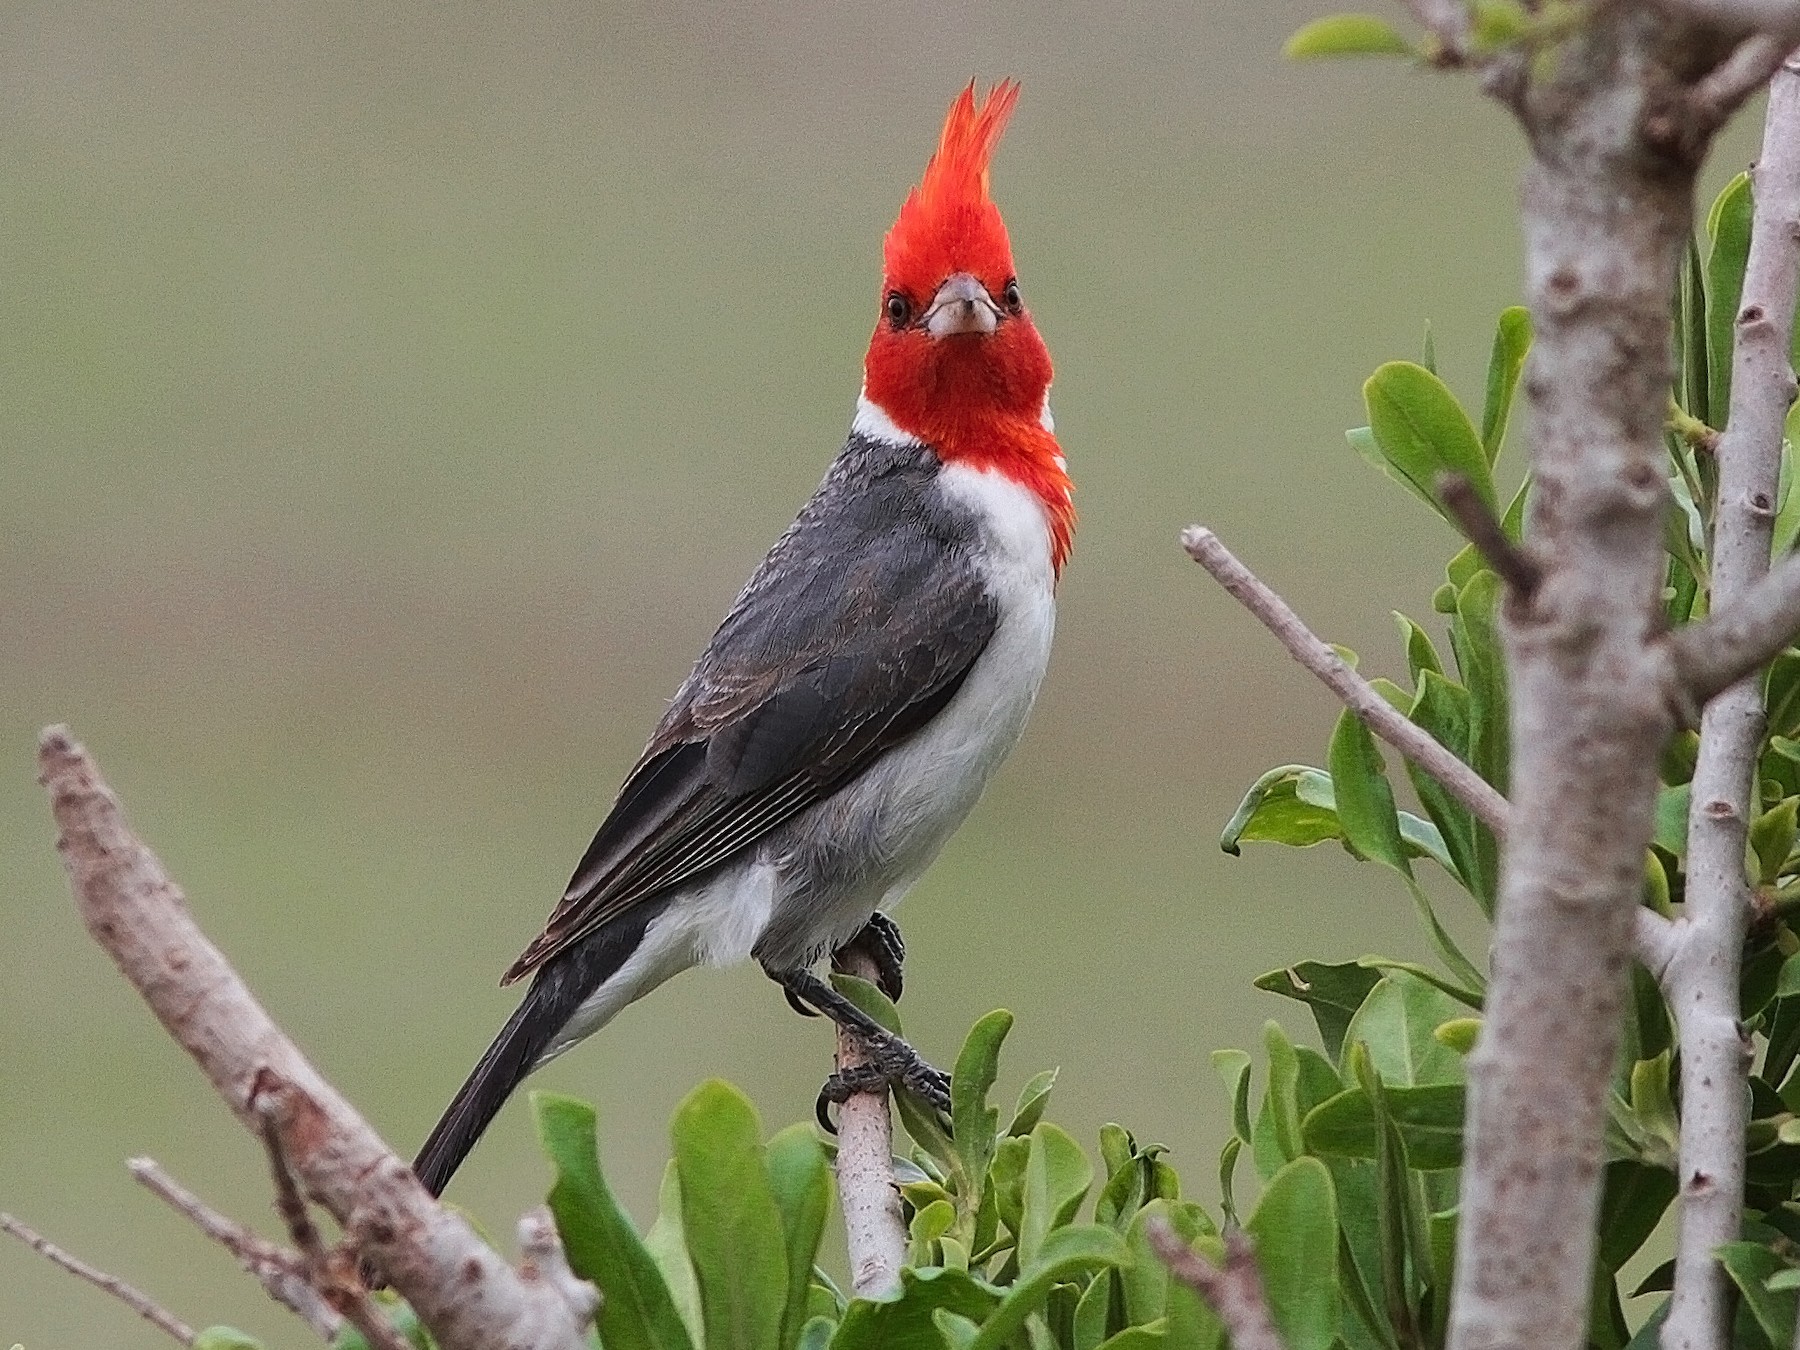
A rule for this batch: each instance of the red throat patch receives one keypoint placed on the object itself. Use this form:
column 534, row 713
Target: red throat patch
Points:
column 975, row 398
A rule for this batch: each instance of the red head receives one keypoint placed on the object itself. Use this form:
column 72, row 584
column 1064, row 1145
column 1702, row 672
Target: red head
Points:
column 955, row 359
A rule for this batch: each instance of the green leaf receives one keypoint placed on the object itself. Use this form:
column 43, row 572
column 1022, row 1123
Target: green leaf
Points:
column 1422, row 431
column 1691, row 334
column 1429, row 1119
column 667, row 1245
column 1365, row 801
column 1145, row 1280
column 1233, row 1068
column 227, row 1338
column 1459, row 1034
column 1228, row 1157
column 1750, row 1264
column 1672, row 819
column 1772, row 837
column 1152, row 1337
column 1512, row 340
column 817, row 1333
column 637, row 1312
column 1729, row 225
column 1284, row 1089
column 906, row 1322
column 733, row 1226
column 1475, row 639
column 1365, row 805
column 1396, row 1023
column 928, row 1225
column 1006, row 1177
column 1333, row 992
column 1442, row 708
column 1057, row 1177
column 1781, row 690
column 1065, row 1253
column 1034, row 1099
column 959, row 1332
column 1420, row 654
column 1295, row 1230
column 801, row 1184
column 402, row 1318
column 1346, row 35
column 1093, row 1313
column 974, row 1122
column 1634, row 1201
column 1273, row 811
column 869, row 998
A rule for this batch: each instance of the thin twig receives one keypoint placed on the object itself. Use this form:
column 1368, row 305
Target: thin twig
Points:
column 1448, row 22
column 874, row 1226
column 281, row 1271
column 290, row 1206
column 541, row 1257
column 1703, row 978
column 1234, row 1290
column 462, row 1290
column 1717, row 652
column 1739, row 75
column 135, row 1299
column 1481, row 798
column 1517, row 569
column 331, row 1274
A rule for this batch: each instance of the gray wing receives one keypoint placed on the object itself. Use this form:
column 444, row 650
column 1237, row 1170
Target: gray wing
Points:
column 859, row 626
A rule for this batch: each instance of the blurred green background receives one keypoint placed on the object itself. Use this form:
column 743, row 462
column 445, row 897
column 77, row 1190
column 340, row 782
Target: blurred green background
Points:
column 392, row 399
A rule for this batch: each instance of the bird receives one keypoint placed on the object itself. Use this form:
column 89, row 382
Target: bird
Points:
column 859, row 694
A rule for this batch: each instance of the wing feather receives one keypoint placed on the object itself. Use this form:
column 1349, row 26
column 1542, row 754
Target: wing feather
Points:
column 860, row 625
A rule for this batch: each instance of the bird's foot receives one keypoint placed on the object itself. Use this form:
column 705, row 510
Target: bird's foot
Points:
column 890, row 1061
column 880, row 941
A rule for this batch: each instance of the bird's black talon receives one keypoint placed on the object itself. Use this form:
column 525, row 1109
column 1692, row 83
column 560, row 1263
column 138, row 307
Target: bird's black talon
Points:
column 795, row 1003
column 879, row 940
column 842, row 1086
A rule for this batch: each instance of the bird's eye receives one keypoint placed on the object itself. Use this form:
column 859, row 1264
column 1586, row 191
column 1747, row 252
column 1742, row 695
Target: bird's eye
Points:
column 1014, row 301
column 899, row 309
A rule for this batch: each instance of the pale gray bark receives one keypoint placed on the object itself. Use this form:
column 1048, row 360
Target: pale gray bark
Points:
column 458, row 1285
column 1608, row 204
column 1233, row 1290
column 868, row 1194
column 132, row 1297
column 1702, row 979
column 281, row 1271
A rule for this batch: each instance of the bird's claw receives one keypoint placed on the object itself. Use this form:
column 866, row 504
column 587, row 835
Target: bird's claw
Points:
column 891, row 1063
column 879, row 940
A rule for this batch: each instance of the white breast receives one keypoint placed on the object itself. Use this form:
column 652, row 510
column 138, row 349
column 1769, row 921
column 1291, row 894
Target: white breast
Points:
column 922, row 790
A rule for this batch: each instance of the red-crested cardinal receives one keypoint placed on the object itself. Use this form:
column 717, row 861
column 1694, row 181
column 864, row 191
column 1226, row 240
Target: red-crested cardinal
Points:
column 870, row 678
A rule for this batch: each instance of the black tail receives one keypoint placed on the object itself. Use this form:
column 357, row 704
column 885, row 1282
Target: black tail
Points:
column 558, row 990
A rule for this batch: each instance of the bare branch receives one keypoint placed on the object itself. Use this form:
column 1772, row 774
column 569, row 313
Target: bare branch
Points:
column 135, row 1299
column 1608, row 205
column 542, row 1258
column 281, row 1272
column 332, row 1274
column 1740, row 75
column 1741, row 16
column 1448, row 22
column 1703, row 978
column 1515, row 567
column 874, row 1226
column 1234, row 1290
column 289, row 1204
column 1418, row 745
column 1712, row 655
column 459, row 1287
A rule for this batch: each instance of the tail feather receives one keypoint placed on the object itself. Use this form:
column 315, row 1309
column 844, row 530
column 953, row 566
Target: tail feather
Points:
column 527, row 1040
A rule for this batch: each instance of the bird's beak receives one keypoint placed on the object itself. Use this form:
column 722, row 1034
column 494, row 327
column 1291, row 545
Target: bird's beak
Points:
column 961, row 305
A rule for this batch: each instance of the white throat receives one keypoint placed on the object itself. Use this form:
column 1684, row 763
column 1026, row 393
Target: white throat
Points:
column 872, row 421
